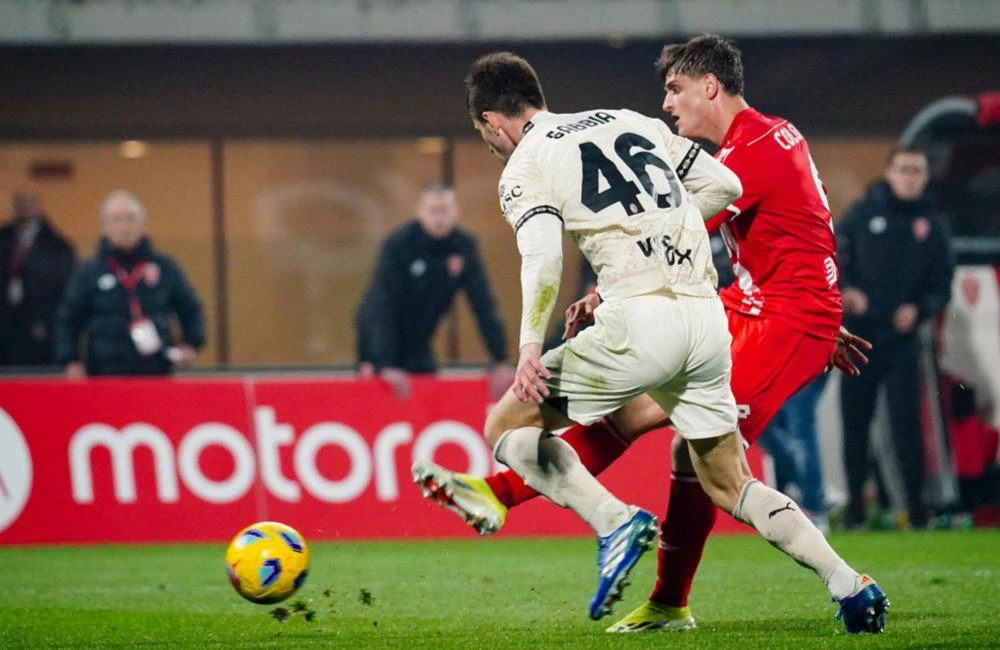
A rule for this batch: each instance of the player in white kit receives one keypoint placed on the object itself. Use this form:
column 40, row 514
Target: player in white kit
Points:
column 634, row 197
column 661, row 328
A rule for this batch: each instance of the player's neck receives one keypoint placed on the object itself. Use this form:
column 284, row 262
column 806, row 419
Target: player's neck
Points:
column 516, row 125
column 729, row 108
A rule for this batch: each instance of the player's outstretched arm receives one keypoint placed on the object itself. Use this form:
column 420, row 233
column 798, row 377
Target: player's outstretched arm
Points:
column 539, row 241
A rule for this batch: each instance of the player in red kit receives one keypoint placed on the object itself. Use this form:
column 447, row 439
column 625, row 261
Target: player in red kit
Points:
column 784, row 312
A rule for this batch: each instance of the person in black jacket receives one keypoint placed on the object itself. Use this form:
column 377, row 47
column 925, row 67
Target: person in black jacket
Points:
column 35, row 264
column 421, row 266
column 124, row 299
column 896, row 271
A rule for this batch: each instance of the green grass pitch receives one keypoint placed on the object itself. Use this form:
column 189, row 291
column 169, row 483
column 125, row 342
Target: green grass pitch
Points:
column 483, row 593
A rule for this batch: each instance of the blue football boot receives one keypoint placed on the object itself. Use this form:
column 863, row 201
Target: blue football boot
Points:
column 864, row 610
column 616, row 555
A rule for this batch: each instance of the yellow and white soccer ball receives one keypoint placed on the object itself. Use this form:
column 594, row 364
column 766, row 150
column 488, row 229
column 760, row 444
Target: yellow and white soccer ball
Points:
column 267, row 562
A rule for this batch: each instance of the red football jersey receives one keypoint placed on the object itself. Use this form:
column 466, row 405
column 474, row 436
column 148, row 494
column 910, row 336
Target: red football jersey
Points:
column 779, row 233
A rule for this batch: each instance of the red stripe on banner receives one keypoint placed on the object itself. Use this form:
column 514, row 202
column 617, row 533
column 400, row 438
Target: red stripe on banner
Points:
column 177, row 460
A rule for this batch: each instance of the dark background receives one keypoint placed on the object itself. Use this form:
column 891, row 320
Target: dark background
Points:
column 843, row 86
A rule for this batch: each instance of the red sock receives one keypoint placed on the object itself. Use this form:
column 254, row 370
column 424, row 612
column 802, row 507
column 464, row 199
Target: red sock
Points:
column 690, row 517
column 598, row 445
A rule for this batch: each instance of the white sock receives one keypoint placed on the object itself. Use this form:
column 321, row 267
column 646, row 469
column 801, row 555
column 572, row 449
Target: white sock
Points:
column 609, row 516
column 782, row 523
column 548, row 464
column 843, row 581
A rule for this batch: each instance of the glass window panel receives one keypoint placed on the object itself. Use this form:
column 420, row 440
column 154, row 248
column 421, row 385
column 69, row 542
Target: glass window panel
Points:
column 848, row 167
column 304, row 223
column 172, row 179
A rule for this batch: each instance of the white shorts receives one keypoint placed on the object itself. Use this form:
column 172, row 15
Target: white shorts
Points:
column 674, row 348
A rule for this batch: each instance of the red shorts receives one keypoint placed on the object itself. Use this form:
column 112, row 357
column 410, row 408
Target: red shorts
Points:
column 771, row 361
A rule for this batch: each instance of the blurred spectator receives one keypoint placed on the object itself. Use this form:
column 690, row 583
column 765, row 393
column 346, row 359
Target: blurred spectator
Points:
column 896, row 270
column 123, row 299
column 35, row 264
column 421, row 267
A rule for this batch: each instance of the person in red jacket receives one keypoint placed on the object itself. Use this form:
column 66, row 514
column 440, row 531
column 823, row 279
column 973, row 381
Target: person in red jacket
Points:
column 784, row 313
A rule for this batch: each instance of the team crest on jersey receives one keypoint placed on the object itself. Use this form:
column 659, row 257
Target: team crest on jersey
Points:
column 877, row 225
column 507, row 197
column 151, row 274
column 455, row 264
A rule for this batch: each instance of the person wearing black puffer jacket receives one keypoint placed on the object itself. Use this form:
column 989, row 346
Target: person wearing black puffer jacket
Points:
column 896, row 270
column 124, row 299
column 36, row 261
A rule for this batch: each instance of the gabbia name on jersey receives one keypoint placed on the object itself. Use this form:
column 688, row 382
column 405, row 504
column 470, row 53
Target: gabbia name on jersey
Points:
column 614, row 182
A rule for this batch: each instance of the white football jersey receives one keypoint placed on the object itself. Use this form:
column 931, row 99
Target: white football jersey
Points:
column 613, row 178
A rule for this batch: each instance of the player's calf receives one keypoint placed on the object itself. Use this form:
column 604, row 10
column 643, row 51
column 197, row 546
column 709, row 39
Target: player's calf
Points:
column 722, row 468
column 780, row 521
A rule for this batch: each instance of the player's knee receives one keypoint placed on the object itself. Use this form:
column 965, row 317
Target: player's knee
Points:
column 511, row 413
column 722, row 469
column 493, row 430
column 638, row 416
column 508, row 414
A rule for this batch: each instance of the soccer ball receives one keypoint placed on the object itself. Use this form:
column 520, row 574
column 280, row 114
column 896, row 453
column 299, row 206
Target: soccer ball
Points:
column 267, row 562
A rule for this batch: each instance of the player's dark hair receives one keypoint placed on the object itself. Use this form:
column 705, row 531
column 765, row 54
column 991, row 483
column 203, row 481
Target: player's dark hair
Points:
column 502, row 82
column 897, row 150
column 701, row 55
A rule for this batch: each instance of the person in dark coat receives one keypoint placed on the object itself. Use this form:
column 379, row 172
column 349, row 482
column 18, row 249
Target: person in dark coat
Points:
column 421, row 266
column 35, row 264
column 124, row 299
column 896, row 271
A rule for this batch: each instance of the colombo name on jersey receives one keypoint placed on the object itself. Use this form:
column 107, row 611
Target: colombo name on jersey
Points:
column 779, row 233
